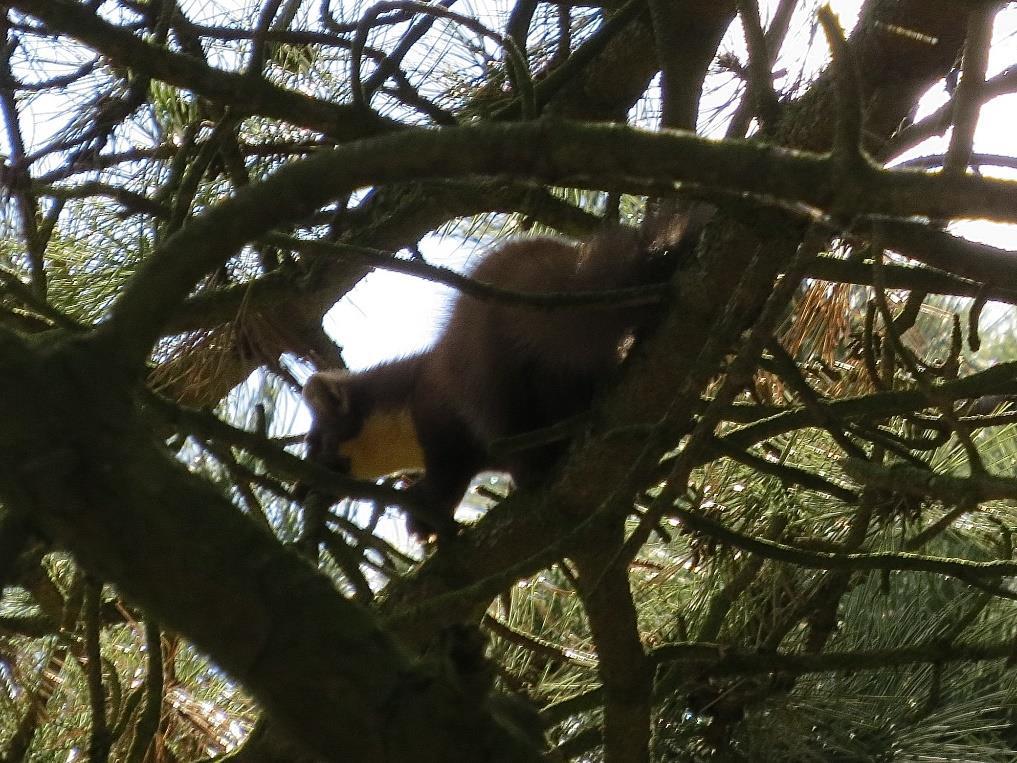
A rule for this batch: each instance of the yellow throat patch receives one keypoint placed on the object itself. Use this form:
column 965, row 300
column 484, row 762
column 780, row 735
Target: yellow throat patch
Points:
column 388, row 443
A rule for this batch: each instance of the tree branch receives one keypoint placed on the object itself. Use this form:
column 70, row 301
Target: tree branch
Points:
column 961, row 569
column 715, row 660
column 85, row 469
column 967, row 101
column 924, row 483
column 555, row 152
column 249, row 94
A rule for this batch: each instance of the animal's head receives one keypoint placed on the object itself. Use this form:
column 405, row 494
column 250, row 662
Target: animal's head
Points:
column 352, row 434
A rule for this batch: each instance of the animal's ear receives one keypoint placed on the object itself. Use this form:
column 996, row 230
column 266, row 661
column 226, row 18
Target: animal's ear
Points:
column 329, row 397
column 672, row 223
column 670, row 233
column 328, row 394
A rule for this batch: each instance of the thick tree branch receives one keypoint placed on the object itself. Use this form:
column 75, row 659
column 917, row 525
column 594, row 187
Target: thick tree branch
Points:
column 85, row 470
column 558, row 153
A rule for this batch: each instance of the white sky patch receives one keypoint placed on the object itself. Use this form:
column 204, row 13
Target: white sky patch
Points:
column 391, row 315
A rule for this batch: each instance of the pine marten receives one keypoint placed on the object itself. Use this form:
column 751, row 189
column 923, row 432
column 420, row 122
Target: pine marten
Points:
column 495, row 371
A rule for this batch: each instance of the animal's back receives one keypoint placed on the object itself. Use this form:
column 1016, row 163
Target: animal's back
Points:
column 514, row 368
column 496, row 370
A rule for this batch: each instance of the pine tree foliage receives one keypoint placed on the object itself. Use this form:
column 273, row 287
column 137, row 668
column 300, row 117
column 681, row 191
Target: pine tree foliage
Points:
column 784, row 533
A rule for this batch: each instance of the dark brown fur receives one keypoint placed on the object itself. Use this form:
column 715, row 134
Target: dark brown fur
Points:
column 496, row 370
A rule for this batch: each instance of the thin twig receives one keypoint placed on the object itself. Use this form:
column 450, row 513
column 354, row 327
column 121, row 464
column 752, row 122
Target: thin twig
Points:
column 967, row 101
column 719, row 660
column 791, row 375
column 606, row 298
column 848, row 134
column 99, row 738
column 263, row 24
column 760, row 63
column 938, row 121
column 738, row 374
column 920, row 377
column 961, row 569
column 519, row 72
column 774, row 39
column 1000, row 379
column 148, row 724
column 17, row 175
